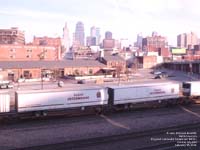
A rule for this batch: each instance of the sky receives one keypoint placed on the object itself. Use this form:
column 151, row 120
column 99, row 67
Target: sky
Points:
column 124, row 18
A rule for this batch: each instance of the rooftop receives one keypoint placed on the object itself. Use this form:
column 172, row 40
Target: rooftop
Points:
column 49, row 64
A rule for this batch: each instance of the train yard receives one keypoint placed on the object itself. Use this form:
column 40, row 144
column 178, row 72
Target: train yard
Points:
column 107, row 128
column 138, row 129
column 120, row 141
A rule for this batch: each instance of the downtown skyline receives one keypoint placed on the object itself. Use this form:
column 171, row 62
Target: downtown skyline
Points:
column 124, row 18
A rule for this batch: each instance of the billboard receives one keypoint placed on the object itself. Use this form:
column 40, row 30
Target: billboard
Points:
column 178, row 51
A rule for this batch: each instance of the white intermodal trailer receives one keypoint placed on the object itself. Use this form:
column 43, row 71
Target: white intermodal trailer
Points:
column 55, row 99
column 137, row 93
column 4, row 102
column 191, row 88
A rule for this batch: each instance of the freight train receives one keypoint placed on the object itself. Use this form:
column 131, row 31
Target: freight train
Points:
column 98, row 98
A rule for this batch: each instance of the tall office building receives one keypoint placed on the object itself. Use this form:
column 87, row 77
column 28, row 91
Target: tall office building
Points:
column 98, row 36
column 80, row 34
column 139, row 40
column 191, row 40
column 108, row 35
column 157, row 44
column 93, row 31
column 66, row 38
column 108, row 42
column 95, row 35
column 154, row 33
column 187, row 40
column 181, row 40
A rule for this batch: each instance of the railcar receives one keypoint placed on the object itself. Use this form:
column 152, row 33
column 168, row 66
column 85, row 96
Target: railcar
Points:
column 99, row 98
column 191, row 89
column 4, row 102
column 40, row 102
column 130, row 95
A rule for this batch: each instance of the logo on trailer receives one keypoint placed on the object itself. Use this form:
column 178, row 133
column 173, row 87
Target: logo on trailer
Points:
column 98, row 94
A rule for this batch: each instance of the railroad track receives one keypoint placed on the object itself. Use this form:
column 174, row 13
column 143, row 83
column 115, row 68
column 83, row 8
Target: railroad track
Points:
column 64, row 119
column 88, row 143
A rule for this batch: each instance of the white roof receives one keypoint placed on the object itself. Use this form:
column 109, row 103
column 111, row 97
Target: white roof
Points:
column 142, row 84
column 61, row 89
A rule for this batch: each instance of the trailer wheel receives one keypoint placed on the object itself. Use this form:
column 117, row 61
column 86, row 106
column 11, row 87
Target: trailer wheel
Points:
column 37, row 114
column 44, row 113
column 126, row 107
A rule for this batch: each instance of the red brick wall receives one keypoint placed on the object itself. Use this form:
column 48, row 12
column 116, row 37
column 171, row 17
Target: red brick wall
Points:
column 108, row 43
column 149, row 61
column 48, row 41
column 28, row 52
column 115, row 64
column 81, row 70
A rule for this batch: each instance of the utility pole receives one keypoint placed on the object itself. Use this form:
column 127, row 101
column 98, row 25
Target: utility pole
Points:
column 41, row 78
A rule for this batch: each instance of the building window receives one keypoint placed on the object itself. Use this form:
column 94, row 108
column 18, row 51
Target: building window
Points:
column 90, row 71
column 43, row 42
column 76, row 72
column 27, row 74
column 29, row 50
column 44, row 50
column 28, row 56
column 12, row 50
column 12, row 56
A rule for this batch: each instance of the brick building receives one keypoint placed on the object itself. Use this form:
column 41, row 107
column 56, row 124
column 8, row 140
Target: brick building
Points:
column 47, row 41
column 113, row 61
column 108, row 41
column 156, row 44
column 146, row 61
column 28, row 52
column 35, row 69
column 187, row 40
column 12, row 36
column 108, row 44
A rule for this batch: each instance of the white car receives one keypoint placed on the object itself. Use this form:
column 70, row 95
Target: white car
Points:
column 157, row 72
column 6, row 86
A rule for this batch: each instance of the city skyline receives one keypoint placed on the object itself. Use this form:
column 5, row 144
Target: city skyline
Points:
column 125, row 19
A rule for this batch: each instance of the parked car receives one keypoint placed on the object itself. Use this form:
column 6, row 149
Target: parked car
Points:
column 81, row 81
column 60, row 83
column 158, row 77
column 156, row 72
column 6, row 85
column 164, row 74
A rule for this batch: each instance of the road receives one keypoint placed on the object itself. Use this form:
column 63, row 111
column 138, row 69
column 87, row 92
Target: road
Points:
column 142, row 76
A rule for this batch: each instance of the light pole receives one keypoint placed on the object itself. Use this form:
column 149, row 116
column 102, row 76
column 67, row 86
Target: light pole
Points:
column 41, row 73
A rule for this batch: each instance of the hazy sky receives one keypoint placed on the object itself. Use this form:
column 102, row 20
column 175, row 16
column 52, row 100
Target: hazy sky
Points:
column 125, row 18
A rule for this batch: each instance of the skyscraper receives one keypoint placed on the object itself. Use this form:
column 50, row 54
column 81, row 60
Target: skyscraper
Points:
column 108, row 35
column 79, row 34
column 98, row 36
column 187, row 40
column 108, row 42
column 66, row 38
column 191, row 40
column 139, row 40
column 154, row 33
column 93, row 31
column 95, row 34
column 181, row 40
